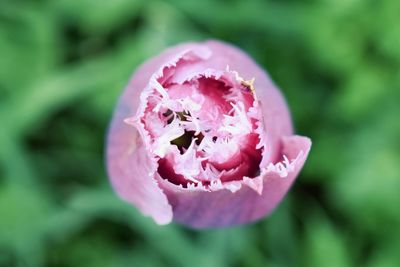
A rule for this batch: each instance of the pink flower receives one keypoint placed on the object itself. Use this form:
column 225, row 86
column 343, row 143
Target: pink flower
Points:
column 203, row 137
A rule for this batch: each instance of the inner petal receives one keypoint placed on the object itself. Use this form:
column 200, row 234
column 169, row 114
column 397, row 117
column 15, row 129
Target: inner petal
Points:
column 201, row 129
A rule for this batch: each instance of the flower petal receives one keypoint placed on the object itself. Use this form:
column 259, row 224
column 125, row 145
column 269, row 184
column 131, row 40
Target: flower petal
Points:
column 132, row 174
column 204, row 209
column 131, row 169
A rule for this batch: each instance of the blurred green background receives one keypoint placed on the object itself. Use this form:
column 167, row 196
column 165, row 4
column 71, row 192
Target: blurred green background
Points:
column 63, row 64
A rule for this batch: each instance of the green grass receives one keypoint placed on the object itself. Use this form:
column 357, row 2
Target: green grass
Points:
column 64, row 63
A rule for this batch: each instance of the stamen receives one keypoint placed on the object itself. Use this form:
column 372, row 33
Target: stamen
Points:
column 183, row 142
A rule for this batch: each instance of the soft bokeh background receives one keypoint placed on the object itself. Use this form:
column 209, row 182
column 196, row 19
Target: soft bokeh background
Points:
column 63, row 64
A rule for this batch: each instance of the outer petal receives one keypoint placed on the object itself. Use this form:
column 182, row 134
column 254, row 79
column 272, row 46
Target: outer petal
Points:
column 203, row 209
column 275, row 112
column 130, row 167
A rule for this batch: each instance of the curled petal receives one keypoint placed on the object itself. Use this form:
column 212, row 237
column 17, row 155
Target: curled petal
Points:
column 225, row 207
column 126, row 150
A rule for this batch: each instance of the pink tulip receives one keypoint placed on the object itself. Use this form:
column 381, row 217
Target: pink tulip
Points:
column 203, row 137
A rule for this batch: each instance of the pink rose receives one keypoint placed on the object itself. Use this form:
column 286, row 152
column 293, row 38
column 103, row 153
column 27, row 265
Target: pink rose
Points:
column 203, row 137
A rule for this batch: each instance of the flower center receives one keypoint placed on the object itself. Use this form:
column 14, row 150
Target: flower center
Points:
column 203, row 129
